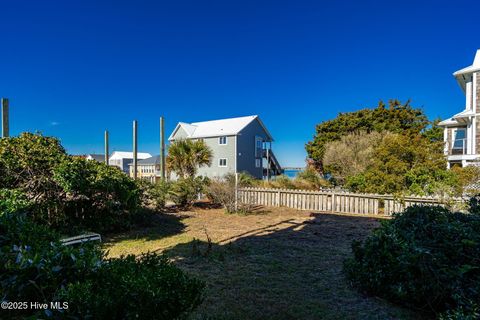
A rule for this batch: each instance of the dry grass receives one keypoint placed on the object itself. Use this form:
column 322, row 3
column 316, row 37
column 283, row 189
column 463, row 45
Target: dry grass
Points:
column 280, row 264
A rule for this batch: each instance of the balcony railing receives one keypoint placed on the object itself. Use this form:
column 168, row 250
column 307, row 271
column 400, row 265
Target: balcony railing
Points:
column 457, row 147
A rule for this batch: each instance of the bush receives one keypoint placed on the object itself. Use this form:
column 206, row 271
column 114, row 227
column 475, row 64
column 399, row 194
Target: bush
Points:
column 222, row 191
column 184, row 192
column 145, row 288
column 425, row 257
column 36, row 267
column 310, row 179
column 154, row 194
column 13, row 201
column 60, row 190
column 95, row 195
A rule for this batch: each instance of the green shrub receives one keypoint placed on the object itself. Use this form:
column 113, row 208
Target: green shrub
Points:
column 474, row 204
column 128, row 288
column 12, row 200
column 66, row 192
column 184, row 192
column 36, row 267
column 154, row 194
column 97, row 196
column 425, row 257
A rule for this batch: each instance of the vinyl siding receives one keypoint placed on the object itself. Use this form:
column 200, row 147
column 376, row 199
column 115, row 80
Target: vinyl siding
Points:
column 246, row 148
column 220, row 151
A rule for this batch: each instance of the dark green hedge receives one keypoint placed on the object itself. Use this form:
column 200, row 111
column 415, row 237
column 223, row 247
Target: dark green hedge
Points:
column 34, row 266
column 426, row 258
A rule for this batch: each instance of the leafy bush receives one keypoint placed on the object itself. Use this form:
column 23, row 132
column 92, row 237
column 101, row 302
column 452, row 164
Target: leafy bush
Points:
column 35, row 266
column 425, row 257
column 95, row 195
column 12, row 200
column 184, row 192
column 128, row 288
column 33, row 263
column 405, row 164
column 474, row 204
column 154, row 194
column 61, row 190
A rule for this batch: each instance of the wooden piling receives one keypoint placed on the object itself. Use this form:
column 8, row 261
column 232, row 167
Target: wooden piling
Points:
column 107, row 152
column 135, row 149
column 162, row 148
column 5, row 118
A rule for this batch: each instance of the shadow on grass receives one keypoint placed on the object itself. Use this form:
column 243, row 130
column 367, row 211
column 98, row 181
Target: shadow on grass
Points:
column 154, row 225
column 286, row 270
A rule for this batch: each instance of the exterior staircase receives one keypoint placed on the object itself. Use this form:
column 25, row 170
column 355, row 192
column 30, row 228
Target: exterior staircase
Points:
column 275, row 167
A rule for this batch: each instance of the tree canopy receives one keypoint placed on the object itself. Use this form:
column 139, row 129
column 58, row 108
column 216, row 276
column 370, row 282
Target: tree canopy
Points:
column 397, row 117
column 403, row 164
column 388, row 149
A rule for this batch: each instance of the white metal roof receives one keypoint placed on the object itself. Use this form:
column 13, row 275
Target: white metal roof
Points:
column 448, row 122
column 464, row 114
column 128, row 155
column 457, row 119
column 460, row 74
column 215, row 128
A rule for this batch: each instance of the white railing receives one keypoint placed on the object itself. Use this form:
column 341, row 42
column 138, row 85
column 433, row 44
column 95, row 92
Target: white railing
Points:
column 459, row 146
column 337, row 201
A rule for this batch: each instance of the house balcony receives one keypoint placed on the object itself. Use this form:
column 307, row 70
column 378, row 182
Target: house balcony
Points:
column 457, row 147
column 460, row 150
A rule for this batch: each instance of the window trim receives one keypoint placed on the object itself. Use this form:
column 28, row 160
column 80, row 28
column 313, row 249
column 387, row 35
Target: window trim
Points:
column 220, row 141
column 219, row 162
column 258, row 138
column 454, row 138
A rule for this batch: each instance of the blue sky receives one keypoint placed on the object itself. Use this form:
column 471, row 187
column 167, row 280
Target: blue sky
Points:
column 75, row 68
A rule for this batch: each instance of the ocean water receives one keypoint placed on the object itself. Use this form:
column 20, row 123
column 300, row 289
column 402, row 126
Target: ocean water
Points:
column 291, row 173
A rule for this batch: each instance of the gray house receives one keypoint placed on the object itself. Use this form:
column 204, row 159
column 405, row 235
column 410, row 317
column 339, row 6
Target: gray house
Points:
column 239, row 145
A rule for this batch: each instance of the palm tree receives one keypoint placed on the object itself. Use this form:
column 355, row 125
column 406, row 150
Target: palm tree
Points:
column 186, row 156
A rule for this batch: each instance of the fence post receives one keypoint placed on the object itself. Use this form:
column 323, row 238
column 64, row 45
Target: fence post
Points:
column 333, row 202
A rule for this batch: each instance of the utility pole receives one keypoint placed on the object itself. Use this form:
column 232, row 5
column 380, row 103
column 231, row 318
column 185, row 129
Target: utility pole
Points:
column 162, row 148
column 135, row 149
column 5, row 120
column 107, row 153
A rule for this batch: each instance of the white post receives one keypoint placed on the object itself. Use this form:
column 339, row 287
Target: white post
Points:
column 236, row 191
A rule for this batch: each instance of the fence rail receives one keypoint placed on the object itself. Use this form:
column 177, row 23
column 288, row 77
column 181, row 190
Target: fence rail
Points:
column 337, row 201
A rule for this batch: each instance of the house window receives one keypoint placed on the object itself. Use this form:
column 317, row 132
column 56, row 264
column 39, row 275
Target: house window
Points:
column 459, row 139
column 222, row 140
column 258, row 147
column 222, row 162
column 258, row 163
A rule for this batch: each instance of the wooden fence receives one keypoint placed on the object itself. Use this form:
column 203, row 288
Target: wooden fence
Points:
column 336, row 201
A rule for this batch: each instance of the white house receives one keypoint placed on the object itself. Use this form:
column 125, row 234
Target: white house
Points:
column 122, row 159
column 96, row 157
column 462, row 131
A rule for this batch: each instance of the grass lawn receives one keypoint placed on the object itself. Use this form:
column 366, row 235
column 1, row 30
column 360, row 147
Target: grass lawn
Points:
column 276, row 264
